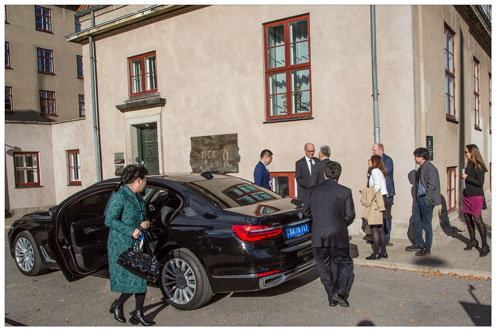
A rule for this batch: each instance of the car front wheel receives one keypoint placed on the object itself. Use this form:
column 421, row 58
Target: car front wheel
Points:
column 183, row 281
column 27, row 255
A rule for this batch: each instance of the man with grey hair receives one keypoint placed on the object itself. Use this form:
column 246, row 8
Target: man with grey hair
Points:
column 318, row 168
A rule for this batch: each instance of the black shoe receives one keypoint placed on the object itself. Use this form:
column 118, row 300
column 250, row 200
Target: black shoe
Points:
column 384, row 255
column 423, row 251
column 484, row 251
column 473, row 243
column 369, row 241
column 138, row 317
column 341, row 300
column 413, row 248
column 118, row 312
column 373, row 257
column 333, row 303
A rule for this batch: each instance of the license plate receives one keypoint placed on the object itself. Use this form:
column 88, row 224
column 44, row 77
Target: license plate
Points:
column 297, row 230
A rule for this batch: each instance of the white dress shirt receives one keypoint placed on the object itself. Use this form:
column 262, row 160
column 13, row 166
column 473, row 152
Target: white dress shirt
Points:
column 378, row 180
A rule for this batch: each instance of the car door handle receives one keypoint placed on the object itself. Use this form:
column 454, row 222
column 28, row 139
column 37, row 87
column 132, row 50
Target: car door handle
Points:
column 91, row 229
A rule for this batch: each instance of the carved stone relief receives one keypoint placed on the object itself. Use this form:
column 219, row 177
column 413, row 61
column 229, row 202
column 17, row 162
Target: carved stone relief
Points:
column 217, row 154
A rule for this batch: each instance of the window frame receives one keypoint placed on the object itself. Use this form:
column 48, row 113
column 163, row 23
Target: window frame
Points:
column 11, row 97
column 82, row 106
column 48, row 100
column 451, row 189
column 79, row 64
column 451, row 114
column 287, row 69
column 32, row 184
column 43, row 18
column 8, row 65
column 76, row 166
column 77, row 24
column 476, row 82
column 44, row 60
column 143, row 73
column 291, row 181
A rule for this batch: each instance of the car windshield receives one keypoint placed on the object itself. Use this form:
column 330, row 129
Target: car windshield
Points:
column 231, row 192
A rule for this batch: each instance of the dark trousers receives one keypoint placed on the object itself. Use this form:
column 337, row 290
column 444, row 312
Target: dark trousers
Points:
column 324, row 257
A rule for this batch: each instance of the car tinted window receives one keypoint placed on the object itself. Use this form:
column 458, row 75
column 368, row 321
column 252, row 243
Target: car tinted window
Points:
column 90, row 206
column 232, row 192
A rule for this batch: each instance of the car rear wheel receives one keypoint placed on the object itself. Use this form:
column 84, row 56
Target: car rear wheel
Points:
column 27, row 255
column 183, row 281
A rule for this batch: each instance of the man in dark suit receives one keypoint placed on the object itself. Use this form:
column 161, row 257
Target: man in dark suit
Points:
column 318, row 168
column 330, row 205
column 378, row 149
column 304, row 171
column 261, row 174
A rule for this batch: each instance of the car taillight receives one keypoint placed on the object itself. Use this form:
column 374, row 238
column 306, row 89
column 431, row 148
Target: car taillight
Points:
column 255, row 232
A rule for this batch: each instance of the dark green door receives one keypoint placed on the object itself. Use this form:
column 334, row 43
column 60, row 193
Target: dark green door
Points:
column 148, row 147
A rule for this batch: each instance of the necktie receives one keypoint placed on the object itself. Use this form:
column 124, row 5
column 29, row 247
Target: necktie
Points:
column 311, row 164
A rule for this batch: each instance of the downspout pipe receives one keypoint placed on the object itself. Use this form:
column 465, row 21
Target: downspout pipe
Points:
column 94, row 104
column 375, row 90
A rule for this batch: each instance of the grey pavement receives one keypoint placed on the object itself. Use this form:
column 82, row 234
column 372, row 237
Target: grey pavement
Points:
column 447, row 254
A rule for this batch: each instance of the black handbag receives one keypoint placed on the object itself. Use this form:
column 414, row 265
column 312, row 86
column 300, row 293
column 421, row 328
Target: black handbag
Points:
column 140, row 263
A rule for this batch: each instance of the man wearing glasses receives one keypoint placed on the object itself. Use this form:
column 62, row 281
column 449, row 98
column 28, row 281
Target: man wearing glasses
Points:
column 304, row 170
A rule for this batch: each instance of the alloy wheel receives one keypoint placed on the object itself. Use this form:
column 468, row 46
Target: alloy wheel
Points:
column 179, row 281
column 24, row 254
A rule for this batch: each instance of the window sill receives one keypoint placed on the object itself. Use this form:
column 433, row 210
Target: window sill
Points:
column 477, row 128
column 451, row 119
column 74, row 184
column 9, row 67
column 46, row 73
column 28, row 186
column 50, row 32
column 289, row 119
column 80, row 77
column 141, row 102
column 51, row 115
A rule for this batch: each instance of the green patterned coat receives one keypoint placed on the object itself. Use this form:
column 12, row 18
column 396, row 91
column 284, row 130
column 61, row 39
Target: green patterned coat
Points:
column 125, row 212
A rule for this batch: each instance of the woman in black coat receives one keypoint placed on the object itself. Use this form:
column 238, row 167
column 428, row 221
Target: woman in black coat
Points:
column 473, row 197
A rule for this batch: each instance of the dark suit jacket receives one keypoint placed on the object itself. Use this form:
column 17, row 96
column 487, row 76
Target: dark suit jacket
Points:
column 331, row 207
column 303, row 177
column 429, row 176
column 318, row 172
column 261, row 175
column 388, row 164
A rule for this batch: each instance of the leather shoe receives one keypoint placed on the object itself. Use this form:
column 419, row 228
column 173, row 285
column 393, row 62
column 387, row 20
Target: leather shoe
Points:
column 341, row 300
column 384, row 255
column 373, row 257
column 389, row 244
column 413, row 248
column 423, row 251
column 484, row 251
column 137, row 316
column 118, row 312
column 333, row 303
column 473, row 243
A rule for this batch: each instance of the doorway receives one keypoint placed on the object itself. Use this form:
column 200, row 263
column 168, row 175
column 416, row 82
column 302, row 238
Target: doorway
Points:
column 146, row 135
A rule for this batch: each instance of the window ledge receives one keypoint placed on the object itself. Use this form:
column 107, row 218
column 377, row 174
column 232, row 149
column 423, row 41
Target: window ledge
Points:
column 289, row 119
column 451, row 119
column 46, row 73
column 54, row 115
column 478, row 128
column 28, row 186
column 9, row 67
column 135, row 103
column 78, row 184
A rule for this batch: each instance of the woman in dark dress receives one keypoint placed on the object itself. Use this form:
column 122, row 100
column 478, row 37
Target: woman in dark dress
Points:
column 473, row 197
column 126, row 218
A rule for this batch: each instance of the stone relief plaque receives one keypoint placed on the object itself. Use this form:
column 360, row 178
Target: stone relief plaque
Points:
column 217, row 154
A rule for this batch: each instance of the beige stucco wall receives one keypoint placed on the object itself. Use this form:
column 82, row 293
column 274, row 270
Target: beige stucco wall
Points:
column 213, row 81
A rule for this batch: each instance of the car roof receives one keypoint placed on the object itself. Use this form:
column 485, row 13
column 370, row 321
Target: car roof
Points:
column 182, row 177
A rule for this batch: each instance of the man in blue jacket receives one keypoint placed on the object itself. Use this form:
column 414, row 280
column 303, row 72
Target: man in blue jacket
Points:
column 378, row 149
column 261, row 174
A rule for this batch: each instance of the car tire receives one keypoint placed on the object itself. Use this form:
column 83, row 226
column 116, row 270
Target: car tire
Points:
column 183, row 281
column 27, row 255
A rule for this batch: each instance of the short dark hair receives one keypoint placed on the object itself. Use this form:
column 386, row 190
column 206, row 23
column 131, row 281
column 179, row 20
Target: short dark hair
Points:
column 131, row 172
column 332, row 170
column 265, row 152
column 325, row 150
column 421, row 152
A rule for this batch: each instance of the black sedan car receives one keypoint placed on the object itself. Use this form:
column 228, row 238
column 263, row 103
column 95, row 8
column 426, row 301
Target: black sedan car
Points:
column 213, row 233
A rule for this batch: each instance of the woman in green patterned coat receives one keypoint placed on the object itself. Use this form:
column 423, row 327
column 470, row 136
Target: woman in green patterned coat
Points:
column 126, row 218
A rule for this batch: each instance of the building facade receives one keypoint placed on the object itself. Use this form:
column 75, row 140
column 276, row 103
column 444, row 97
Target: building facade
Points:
column 240, row 79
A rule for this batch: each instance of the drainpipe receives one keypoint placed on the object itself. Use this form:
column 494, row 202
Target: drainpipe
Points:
column 94, row 104
column 375, row 91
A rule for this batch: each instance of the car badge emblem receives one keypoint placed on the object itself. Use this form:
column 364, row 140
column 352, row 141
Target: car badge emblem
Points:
column 300, row 215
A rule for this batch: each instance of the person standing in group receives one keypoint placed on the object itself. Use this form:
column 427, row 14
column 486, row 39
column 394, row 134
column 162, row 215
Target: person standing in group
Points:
column 330, row 205
column 377, row 180
column 473, row 197
column 318, row 169
column 304, row 168
column 126, row 219
column 427, row 196
column 261, row 174
column 378, row 149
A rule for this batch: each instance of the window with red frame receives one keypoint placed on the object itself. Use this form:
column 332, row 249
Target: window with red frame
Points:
column 449, row 72
column 45, row 61
column 451, row 192
column 77, row 24
column 47, row 102
column 79, row 60
column 74, row 165
column 476, row 96
column 287, row 68
column 490, row 105
column 82, row 112
column 9, row 100
column 7, row 54
column 43, row 18
column 284, row 183
column 143, row 74
column 27, row 169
